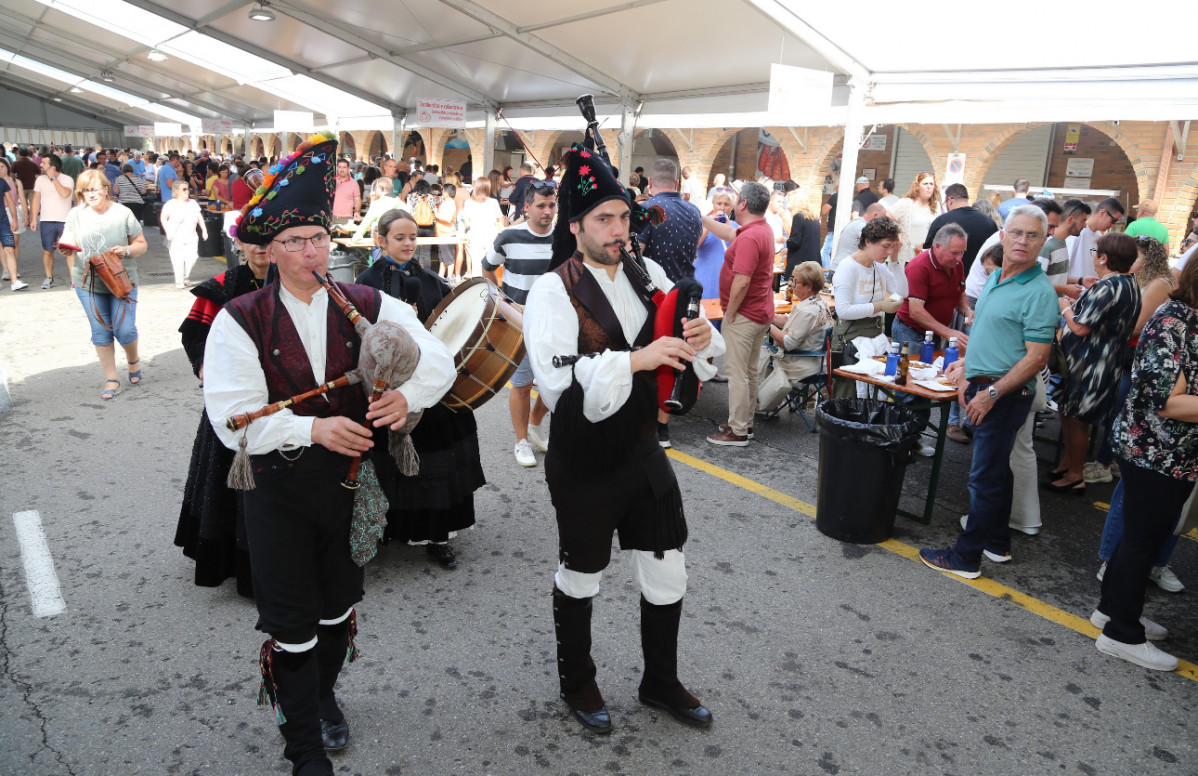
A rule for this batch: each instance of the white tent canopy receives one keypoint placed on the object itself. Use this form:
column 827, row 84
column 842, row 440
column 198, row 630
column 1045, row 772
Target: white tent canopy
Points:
column 680, row 63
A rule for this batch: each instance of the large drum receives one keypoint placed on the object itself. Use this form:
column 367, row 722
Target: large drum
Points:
column 485, row 334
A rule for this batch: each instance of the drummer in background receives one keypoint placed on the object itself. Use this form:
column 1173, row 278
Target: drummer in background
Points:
column 524, row 251
column 431, row 507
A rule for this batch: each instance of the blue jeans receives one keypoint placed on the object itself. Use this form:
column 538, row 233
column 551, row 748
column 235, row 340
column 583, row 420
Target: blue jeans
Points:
column 825, row 253
column 6, row 236
column 111, row 309
column 1112, row 532
column 901, row 332
column 991, row 481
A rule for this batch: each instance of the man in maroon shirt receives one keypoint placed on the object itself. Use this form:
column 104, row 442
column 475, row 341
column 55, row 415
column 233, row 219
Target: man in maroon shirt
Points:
column 26, row 171
column 748, row 302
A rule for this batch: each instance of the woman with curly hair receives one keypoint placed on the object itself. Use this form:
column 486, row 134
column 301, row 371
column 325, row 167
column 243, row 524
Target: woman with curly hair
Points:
column 914, row 214
column 864, row 292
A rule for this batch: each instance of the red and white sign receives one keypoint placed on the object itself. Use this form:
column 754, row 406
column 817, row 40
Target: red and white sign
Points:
column 955, row 170
column 144, row 130
column 441, row 113
column 875, row 142
column 216, row 126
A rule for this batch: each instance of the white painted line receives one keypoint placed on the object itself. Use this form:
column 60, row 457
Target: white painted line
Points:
column 39, row 566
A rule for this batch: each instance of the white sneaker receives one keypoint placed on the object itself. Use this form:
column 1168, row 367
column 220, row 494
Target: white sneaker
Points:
column 524, row 455
column 1094, row 472
column 1145, row 654
column 19, row 285
column 926, row 450
column 1165, row 579
column 1152, row 631
column 539, row 435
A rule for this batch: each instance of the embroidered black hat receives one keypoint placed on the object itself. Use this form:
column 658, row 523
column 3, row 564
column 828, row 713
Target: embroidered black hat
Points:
column 297, row 191
column 586, row 182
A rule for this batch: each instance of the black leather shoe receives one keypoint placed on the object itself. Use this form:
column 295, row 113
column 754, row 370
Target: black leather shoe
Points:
column 335, row 735
column 697, row 717
column 597, row 721
column 443, row 555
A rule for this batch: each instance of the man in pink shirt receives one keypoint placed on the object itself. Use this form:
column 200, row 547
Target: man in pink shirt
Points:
column 347, row 198
column 748, row 302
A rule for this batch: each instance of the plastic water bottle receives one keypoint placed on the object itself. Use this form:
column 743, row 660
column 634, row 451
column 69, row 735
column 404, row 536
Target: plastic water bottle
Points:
column 892, row 359
column 927, row 351
column 951, row 353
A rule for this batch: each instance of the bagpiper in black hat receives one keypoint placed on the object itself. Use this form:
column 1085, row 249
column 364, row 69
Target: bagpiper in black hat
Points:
column 297, row 191
column 586, row 182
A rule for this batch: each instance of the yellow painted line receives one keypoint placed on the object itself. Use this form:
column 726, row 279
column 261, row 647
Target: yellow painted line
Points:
column 221, row 259
column 988, row 586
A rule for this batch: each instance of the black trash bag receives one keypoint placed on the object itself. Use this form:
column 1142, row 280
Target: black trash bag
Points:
column 864, row 448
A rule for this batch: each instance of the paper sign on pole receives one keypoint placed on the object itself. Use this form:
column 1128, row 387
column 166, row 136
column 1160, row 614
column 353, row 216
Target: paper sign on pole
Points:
column 1078, row 168
column 167, row 129
column 216, row 126
column 144, row 130
column 796, row 92
column 294, row 121
column 441, row 113
column 955, row 171
column 875, row 142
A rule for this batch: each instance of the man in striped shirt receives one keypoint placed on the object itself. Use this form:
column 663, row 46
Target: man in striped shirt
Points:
column 524, row 252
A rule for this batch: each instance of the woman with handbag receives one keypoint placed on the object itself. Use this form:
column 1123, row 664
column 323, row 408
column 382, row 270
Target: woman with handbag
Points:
column 1098, row 327
column 98, row 226
column 180, row 218
column 864, row 292
column 130, row 189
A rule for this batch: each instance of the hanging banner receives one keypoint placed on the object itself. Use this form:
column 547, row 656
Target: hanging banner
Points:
column 166, row 129
column 441, row 113
column 955, row 171
column 144, row 130
column 796, row 91
column 1073, row 134
column 216, row 126
column 294, row 121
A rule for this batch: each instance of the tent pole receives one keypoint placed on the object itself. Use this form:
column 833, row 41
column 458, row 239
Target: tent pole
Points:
column 488, row 143
column 627, row 130
column 848, row 159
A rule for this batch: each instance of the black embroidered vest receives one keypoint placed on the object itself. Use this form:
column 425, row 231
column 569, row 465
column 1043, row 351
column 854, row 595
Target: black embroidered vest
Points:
column 607, row 443
column 281, row 351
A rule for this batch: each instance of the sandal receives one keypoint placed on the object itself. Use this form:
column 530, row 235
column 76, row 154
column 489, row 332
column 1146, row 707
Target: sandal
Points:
column 134, row 377
column 108, row 393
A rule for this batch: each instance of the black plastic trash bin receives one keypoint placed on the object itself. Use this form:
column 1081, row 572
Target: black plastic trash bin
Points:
column 213, row 246
column 864, row 447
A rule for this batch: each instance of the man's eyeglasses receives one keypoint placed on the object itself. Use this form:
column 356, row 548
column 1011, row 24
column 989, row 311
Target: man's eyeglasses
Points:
column 1019, row 234
column 543, row 185
column 296, row 244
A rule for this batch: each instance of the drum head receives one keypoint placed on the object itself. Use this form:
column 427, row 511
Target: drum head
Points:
column 458, row 315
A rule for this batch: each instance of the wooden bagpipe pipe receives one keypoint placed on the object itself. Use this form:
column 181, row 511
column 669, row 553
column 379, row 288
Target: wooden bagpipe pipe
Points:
column 677, row 390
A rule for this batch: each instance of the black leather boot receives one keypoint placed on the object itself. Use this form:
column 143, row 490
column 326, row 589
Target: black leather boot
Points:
column 660, row 686
column 575, row 668
column 334, row 648
column 291, row 682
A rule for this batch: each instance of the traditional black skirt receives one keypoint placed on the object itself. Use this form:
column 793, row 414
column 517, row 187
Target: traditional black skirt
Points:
column 439, row 500
column 211, row 527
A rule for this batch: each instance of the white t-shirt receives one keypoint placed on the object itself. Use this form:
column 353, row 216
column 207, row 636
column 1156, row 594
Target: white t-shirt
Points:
column 976, row 280
column 1081, row 263
column 693, row 187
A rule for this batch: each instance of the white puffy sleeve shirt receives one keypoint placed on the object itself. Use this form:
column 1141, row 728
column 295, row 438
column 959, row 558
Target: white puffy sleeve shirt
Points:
column 551, row 329
column 234, row 382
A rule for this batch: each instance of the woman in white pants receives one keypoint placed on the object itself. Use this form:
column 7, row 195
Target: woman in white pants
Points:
column 180, row 217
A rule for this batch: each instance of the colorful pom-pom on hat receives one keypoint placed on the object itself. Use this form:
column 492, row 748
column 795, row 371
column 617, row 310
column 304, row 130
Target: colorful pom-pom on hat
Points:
column 298, row 191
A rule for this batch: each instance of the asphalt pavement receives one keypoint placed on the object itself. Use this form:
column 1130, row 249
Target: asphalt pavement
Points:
column 815, row 656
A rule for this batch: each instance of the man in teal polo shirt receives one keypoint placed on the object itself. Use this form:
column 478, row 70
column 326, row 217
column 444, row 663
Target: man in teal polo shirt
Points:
column 1014, row 325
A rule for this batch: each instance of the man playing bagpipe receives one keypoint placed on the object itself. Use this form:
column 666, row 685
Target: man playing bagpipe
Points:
column 593, row 315
column 263, row 347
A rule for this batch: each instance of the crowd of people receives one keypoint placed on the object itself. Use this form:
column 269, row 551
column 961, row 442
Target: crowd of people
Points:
column 1054, row 307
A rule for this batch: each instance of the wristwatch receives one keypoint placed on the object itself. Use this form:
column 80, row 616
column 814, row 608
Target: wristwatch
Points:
column 990, row 389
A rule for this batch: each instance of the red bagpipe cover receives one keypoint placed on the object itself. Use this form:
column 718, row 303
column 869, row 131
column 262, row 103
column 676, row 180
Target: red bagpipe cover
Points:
column 671, row 309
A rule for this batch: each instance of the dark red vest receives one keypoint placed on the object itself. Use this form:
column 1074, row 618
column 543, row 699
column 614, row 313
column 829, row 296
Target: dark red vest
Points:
column 281, row 352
